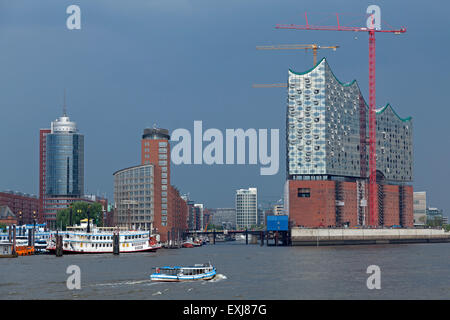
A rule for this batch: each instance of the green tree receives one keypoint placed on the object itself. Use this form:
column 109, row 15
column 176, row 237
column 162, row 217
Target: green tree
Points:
column 214, row 227
column 80, row 212
column 435, row 221
column 2, row 227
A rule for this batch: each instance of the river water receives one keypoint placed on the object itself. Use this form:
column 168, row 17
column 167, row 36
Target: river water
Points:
column 408, row 271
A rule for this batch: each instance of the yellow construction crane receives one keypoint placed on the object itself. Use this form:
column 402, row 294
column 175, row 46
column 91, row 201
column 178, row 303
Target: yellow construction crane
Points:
column 313, row 47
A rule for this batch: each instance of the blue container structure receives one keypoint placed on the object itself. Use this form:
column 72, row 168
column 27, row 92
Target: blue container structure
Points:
column 277, row 223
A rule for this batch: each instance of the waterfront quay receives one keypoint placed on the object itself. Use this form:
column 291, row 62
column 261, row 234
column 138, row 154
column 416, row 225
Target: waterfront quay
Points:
column 316, row 237
column 331, row 236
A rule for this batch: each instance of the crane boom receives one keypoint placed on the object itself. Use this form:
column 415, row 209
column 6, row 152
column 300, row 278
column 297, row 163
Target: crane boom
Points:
column 270, row 85
column 313, row 47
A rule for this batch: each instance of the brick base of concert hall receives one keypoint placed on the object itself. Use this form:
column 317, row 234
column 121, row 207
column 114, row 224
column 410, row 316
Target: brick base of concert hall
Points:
column 338, row 204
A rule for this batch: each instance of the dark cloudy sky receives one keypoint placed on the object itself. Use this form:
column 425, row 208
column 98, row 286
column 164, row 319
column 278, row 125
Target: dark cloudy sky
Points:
column 170, row 62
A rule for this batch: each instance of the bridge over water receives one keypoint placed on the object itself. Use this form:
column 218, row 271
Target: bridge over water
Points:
column 272, row 237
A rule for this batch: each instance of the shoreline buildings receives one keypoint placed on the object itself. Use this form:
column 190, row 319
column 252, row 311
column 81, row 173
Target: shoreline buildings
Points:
column 246, row 208
column 425, row 215
column 420, row 208
column 327, row 155
column 143, row 194
column 24, row 206
column 61, row 168
column 225, row 217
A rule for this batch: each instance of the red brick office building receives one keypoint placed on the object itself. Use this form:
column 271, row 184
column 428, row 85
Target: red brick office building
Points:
column 24, row 206
column 170, row 210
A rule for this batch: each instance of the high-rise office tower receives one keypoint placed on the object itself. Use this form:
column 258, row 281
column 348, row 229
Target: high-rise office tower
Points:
column 61, row 179
column 246, row 208
column 199, row 216
column 170, row 210
column 155, row 150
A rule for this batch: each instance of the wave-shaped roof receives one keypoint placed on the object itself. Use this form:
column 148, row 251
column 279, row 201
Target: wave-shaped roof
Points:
column 381, row 110
column 348, row 84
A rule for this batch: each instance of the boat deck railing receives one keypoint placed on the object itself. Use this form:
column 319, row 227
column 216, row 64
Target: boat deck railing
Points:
column 176, row 269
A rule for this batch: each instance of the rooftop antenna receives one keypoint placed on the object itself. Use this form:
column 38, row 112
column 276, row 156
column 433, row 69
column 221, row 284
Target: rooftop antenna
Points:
column 64, row 105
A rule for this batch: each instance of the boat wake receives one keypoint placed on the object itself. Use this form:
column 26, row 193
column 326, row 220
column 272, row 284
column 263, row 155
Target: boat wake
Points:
column 218, row 277
column 126, row 282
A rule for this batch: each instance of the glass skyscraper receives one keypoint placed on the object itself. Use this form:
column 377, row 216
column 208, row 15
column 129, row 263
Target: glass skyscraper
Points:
column 61, row 167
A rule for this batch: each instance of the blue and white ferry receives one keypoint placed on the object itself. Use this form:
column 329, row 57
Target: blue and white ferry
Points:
column 191, row 273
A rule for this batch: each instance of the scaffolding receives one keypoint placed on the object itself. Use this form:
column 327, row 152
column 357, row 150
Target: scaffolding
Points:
column 361, row 201
column 402, row 205
column 339, row 197
column 381, row 196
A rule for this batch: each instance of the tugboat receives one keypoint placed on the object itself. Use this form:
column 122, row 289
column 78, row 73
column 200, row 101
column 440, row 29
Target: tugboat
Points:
column 191, row 273
column 92, row 239
column 190, row 243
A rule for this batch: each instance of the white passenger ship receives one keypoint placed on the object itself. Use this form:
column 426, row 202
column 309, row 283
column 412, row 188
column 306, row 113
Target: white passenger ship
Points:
column 100, row 239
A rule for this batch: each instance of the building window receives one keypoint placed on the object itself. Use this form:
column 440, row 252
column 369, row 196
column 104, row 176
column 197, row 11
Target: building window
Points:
column 304, row 192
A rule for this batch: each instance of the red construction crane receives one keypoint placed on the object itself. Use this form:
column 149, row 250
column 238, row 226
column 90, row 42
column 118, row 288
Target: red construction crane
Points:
column 373, row 214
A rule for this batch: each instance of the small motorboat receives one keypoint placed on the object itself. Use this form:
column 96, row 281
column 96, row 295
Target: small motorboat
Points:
column 197, row 243
column 176, row 274
column 187, row 244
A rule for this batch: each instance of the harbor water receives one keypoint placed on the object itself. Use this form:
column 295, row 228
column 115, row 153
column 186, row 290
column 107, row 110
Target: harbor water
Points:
column 408, row 271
